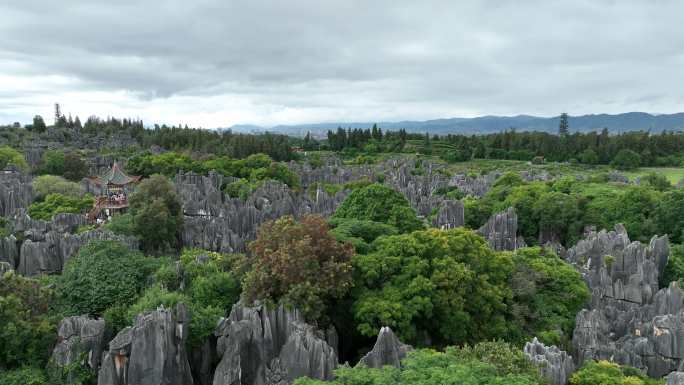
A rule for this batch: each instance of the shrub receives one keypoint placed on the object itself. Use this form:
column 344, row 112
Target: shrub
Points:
column 121, row 224
column 45, row 185
column 103, row 274
column 454, row 366
column 212, row 286
column 24, row 376
column 608, row 373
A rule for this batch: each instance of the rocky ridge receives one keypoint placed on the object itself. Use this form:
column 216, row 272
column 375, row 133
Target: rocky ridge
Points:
column 628, row 321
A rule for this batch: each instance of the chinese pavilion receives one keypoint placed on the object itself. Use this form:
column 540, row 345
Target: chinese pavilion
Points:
column 112, row 190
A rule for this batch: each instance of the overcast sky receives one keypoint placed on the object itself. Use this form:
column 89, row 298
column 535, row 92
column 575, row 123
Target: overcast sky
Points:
column 215, row 63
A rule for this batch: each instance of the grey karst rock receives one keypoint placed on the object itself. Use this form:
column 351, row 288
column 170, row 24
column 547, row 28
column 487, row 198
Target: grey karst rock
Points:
column 451, row 214
column 553, row 363
column 49, row 255
column 628, row 320
column 388, row 350
column 616, row 177
column 501, row 231
column 151, row 352
column 79, row 337
column 16, row 191
column 203, row 360
column 5, row 267
column 48, row 245
column 9, row 252
column 476, row 186
column 675, row 378
column 263, row 346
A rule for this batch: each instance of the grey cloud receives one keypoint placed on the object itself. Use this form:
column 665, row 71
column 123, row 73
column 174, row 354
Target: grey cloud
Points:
column 480, row 56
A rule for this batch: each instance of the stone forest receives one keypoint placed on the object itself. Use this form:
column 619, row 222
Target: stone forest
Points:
column 170, row 255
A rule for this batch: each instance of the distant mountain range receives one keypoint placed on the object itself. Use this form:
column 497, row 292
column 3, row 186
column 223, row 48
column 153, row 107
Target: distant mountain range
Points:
column 630, row 121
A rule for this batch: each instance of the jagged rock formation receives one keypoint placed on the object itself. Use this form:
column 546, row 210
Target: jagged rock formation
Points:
column 16, row 191
column 388, row 350
column 152, row 351
column 501, row 231
column 476, row 186
column 262, row 346
column 48, row 245
column 553, row 363
column 79, row 337
column 451, row 214
column 675, row 378
column 214, row 221
column 628, row 320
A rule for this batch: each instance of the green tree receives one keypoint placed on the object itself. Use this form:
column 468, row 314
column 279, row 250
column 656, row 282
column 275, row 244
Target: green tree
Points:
column 445, row 285
column 156, row 212
column 563, row 126
column 100, row 275
column 559, row 214
column 626, row 160
column 547, row 294
column 75, row 168
column 28, row 330
column 670, row 215
column 360, row 233
column 382, row 204
column 10, row 156
column 674, row 271
column 300, row 263
column 52, row 162
column 589, row 156
column 39, row 124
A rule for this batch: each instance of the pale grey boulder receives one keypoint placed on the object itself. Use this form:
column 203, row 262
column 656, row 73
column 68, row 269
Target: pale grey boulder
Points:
column 387, row 351
column 151, row 352
column 553, row 363
column 264, row 346
column 79, row 338
column 675, row 378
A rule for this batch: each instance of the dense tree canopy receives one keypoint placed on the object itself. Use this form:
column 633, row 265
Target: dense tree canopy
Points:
column 447, row 286
column 484, row 364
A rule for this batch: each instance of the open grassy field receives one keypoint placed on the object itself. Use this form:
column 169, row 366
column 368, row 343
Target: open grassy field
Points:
column 674, row 174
